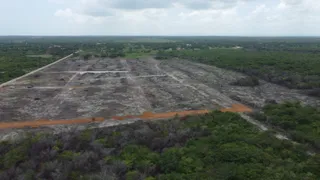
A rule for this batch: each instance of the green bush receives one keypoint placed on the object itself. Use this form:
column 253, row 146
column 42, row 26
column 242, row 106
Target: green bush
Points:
column 14, row 156
column 132, row 175
column 68, row 155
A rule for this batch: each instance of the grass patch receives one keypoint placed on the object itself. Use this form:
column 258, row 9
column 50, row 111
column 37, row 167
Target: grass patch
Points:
column 40, row 56
column 146, row 40
column 134, row 55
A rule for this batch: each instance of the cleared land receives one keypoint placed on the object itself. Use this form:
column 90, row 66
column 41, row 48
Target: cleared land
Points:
column 97, row 88
column 76, row 88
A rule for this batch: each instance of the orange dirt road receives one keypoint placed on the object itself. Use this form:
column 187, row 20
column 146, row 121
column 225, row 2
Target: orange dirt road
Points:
column 150, row 115
column 237, row 108
column 144, row 116
column 44, row 122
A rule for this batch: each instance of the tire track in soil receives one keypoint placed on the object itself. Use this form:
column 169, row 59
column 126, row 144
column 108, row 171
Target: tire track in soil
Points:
column 154, row 100
column 205, row 95
column 141, row 102
column 174, row 95
column 208, row 82
column 54, row 106
column 205, row 87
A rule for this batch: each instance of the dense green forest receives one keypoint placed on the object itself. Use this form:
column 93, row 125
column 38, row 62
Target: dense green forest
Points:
column 291, row 69
column 302, row 123
column 213, row 146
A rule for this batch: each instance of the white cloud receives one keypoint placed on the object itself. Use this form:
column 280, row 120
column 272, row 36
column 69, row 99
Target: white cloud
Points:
column 306, row 5
column 291, row 2
column 187, row 17
column 262, row 8
column 56, row 1
column 72, row 16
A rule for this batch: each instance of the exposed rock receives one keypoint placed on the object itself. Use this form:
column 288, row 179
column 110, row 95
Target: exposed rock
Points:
column 270, row 101
column 247, row 81
column 314, row 92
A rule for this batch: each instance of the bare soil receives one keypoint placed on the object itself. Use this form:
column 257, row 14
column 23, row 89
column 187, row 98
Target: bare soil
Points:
column 76, row 88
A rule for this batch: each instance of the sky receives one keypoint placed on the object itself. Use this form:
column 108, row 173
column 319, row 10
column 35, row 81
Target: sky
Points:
column 161, row 17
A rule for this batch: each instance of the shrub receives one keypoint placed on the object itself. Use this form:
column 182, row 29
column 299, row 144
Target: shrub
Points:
column 68, row 155
column 14, row 156
column 86, row 162
column 29, row 175
column 133, row 175
column 86, row 135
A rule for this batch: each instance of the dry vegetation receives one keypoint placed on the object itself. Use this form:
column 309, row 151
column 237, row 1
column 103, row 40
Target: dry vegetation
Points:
column 213, row 146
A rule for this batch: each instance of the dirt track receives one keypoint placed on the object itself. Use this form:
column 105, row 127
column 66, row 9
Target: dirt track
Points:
column 76, row 88
column 144, row 116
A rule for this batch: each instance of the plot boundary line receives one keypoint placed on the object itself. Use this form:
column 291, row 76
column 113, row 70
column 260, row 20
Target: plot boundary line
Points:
column 34, row 71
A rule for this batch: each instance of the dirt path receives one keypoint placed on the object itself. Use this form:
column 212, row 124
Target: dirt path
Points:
column 37, row 70
column 143, row 116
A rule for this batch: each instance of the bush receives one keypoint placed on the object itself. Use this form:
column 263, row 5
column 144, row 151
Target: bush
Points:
column 86, row 56
column 133, row 175
column 14, row 156
column 86, row 162
column 68, row 155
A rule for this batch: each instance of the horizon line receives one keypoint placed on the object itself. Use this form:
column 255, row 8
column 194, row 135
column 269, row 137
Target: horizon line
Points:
column 159, row 36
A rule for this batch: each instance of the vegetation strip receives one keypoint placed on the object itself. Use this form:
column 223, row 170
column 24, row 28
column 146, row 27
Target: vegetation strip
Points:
column 215, row 146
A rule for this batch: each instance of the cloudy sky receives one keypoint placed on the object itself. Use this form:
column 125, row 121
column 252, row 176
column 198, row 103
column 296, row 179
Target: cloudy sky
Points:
column 160, row 17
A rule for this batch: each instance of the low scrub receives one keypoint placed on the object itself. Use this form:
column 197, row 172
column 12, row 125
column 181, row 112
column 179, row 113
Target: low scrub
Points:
column 212, row 146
